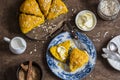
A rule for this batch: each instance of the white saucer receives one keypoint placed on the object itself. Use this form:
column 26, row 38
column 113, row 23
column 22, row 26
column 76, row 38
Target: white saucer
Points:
column 113, row 63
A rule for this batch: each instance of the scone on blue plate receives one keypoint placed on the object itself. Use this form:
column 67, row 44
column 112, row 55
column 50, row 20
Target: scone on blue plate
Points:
column 60, row 51
column 78, row 58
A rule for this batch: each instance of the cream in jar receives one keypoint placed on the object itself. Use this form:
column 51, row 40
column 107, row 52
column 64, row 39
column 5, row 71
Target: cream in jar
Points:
column 85, row 20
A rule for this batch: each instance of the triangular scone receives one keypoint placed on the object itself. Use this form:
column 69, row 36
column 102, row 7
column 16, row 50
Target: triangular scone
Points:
column 57, row 8
column 29, row 22
column 78, row 58
column 45, row 6
column 31, row 7
column 60, row 51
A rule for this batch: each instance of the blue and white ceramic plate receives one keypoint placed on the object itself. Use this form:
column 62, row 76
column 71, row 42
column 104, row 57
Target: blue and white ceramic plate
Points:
column 80, row 73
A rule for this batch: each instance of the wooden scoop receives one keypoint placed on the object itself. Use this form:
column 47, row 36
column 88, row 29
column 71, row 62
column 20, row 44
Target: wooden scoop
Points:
column 29, row 72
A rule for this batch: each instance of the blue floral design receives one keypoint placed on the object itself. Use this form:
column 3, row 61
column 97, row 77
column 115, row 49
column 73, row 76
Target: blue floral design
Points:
column 53, row 63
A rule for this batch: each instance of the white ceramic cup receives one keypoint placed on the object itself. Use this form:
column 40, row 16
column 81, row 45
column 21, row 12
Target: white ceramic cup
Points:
column 17, row 45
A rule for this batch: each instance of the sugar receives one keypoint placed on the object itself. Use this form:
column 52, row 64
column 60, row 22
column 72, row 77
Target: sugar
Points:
column 109, row 7
column 43, row 41
column 97, row 35
column 35, row 50
column 96, row 40
column 31, row 52
column 105, row 34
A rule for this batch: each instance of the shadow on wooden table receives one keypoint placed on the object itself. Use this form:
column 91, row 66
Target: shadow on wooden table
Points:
column 4, row 46
column 47, row 72
column 10, row 19
column 10, row 73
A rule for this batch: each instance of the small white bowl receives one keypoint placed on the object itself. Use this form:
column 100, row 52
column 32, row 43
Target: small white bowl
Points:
column 80, row 14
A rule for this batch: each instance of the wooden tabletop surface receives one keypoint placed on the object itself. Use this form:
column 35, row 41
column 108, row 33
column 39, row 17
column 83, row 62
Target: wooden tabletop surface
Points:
column 36, row 50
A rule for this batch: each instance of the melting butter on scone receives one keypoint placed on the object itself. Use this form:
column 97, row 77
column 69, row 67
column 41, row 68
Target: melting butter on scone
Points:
column 31, row 7
column 78, row 58
column 45, row 6
column 29, row 22
column 60, row 51
column 57, row 8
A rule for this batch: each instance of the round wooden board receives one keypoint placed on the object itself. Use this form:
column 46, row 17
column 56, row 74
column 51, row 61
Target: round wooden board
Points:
column 46, row 29
column 49, row 27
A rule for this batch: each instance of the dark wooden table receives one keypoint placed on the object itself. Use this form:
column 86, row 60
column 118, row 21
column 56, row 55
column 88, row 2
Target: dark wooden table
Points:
column 36, row 50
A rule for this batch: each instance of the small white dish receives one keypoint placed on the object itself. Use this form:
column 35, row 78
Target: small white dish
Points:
column 85, row 28
column 113, row 63
column 17, row 45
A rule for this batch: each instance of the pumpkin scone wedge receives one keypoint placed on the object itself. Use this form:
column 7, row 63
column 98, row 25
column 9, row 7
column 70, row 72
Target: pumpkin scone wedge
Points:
column 31, row 7
column 45, row 6
column 29, row 22
column 60, row 51
column 57, row 8
column 78, row 58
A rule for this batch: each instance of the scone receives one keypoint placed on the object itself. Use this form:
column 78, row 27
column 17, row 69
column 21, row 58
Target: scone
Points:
column 57, row 8
column 60, row 51
column 45, row 6
column 78, row 58
column 31, row 7
column 29, row 22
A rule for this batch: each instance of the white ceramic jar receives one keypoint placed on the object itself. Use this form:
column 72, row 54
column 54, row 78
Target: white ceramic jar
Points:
column 86, row 20
column 108, row 9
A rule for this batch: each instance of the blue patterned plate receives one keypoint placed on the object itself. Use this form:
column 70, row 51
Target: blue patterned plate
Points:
column 80, row 73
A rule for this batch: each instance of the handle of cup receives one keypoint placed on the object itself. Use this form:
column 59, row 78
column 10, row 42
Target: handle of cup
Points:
column 6, row 39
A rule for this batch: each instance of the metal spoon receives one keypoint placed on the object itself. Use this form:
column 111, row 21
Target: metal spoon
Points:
column 113, row 47
column 110, row 55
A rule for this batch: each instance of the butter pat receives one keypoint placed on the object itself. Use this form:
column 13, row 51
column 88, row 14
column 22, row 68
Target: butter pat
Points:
column 61, row 50
column 85, row 20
